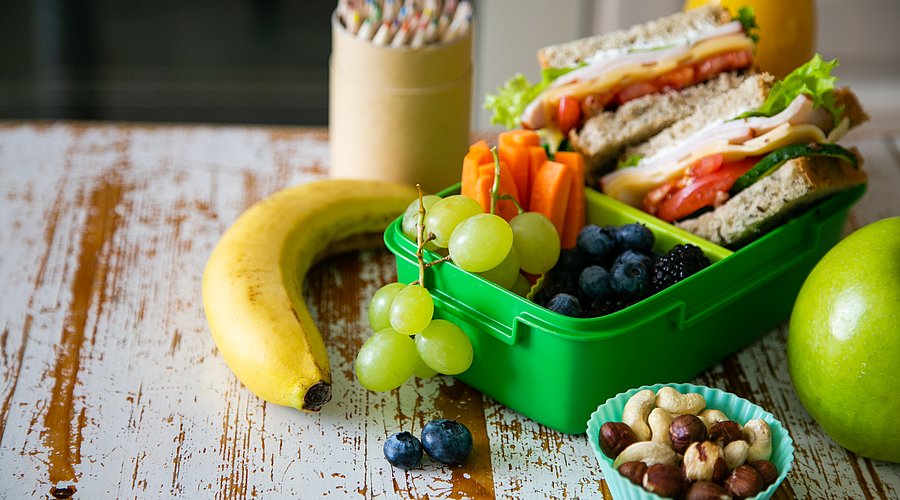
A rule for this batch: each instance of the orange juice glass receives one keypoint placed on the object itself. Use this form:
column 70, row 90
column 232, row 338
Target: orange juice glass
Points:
column 787, row 31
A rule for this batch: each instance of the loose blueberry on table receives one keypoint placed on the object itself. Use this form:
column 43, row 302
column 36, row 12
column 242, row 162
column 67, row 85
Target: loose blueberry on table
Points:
column 403, row 450
column 447, row 441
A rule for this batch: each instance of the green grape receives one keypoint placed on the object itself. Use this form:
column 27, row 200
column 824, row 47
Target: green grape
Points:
column 411, row 215
column 521, row 287
column 422, row 370
column 481, row 242
column 446, row 214
column 536, row 241
column 411, row 310
column 444, row 347
column 506, row 273
column 380, row 306
column 386, row 360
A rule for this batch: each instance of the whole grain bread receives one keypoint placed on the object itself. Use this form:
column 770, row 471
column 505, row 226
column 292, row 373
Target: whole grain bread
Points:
column 603, row 137
column 768, row 202
column 750, row 94
column 661, row 31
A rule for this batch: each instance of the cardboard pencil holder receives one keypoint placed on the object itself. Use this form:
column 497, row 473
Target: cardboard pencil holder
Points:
column 399, row 114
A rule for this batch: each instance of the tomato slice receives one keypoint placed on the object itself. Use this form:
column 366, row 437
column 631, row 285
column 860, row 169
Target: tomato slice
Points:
column 635, row 90
column 568, row 115
column 709, row 189
column 676, row 79
column 719, row 63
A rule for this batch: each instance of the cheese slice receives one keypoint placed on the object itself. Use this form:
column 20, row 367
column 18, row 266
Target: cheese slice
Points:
column 632, row 186
column 648, row 71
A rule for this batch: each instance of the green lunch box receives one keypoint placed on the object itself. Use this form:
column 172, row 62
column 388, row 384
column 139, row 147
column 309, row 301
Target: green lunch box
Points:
column 556, row 369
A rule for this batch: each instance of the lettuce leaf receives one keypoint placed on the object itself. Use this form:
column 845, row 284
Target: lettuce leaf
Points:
column 813, row 79
column 631, row 161
column 514, row 96
column 747, row 17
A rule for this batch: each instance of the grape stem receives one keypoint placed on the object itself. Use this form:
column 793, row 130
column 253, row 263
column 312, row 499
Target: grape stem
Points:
column 420, row 237
column 495, row 189
column 442, row 259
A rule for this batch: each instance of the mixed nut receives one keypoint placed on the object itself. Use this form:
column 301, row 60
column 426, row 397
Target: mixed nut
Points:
column 670, row 444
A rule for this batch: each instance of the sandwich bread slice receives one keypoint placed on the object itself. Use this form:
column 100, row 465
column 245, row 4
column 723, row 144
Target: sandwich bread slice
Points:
column 766, row 204
column 747, row 158
column 604, row 136
column 593, row 83
column 660, row 32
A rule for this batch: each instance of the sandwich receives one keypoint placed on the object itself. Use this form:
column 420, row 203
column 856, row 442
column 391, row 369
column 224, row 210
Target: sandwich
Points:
column 747, row 158
column 601, row 94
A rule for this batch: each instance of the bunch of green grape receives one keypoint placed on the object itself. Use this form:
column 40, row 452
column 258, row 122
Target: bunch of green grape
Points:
column 408, row 341
column 486, row 244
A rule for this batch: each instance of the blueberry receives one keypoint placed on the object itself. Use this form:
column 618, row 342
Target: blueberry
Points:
column 631, row 274
column 564, row 303
column 594, row 282
column 447, row 441
column 631, row 255
column 596, row 243
column 403, row 450
column 636, row 237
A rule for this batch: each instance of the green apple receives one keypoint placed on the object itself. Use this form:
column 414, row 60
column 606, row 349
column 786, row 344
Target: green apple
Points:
column 843, row 345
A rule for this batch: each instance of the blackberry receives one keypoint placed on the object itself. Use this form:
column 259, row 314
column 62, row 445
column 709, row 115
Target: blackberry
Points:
column 609, row 305
column 549, row 290
column 679, row 263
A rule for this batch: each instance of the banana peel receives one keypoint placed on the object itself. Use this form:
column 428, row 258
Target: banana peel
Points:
column 253, row 281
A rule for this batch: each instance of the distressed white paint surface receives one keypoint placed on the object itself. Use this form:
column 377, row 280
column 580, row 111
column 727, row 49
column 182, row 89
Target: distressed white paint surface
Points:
column 109, row 380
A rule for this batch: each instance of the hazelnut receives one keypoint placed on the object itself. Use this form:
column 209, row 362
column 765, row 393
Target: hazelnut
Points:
column 615, row 437
column 705, row 490
column 766, row 470
column 665, row 480
column 744, row 482
column 726, row 432
column 634, row 471
column 686, row 429
column 705, row 461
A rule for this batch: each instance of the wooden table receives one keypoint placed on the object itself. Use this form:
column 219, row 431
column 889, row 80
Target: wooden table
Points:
column 111, row 386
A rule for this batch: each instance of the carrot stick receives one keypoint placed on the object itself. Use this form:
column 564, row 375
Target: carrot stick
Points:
column 537, row 155
column 575, row 209
column 516, row 158
column 479, row 154
column 519, row 137
column 505, row 208
column 550, row 192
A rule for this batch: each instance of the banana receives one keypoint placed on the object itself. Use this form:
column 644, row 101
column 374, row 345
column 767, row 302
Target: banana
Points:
column 253, row 282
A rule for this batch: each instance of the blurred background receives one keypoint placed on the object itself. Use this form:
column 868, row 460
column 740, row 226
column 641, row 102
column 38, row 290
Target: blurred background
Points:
column 266, row 61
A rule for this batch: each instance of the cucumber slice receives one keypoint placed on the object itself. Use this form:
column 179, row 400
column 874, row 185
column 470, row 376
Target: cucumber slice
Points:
column 776, row 158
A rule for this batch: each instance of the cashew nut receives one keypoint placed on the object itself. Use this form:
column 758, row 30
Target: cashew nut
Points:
column 736, row 453
column 711, row 417
column 759, row 436
column 648, row 452
column 659, row 421
column 673, row 401
column 636, row 411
